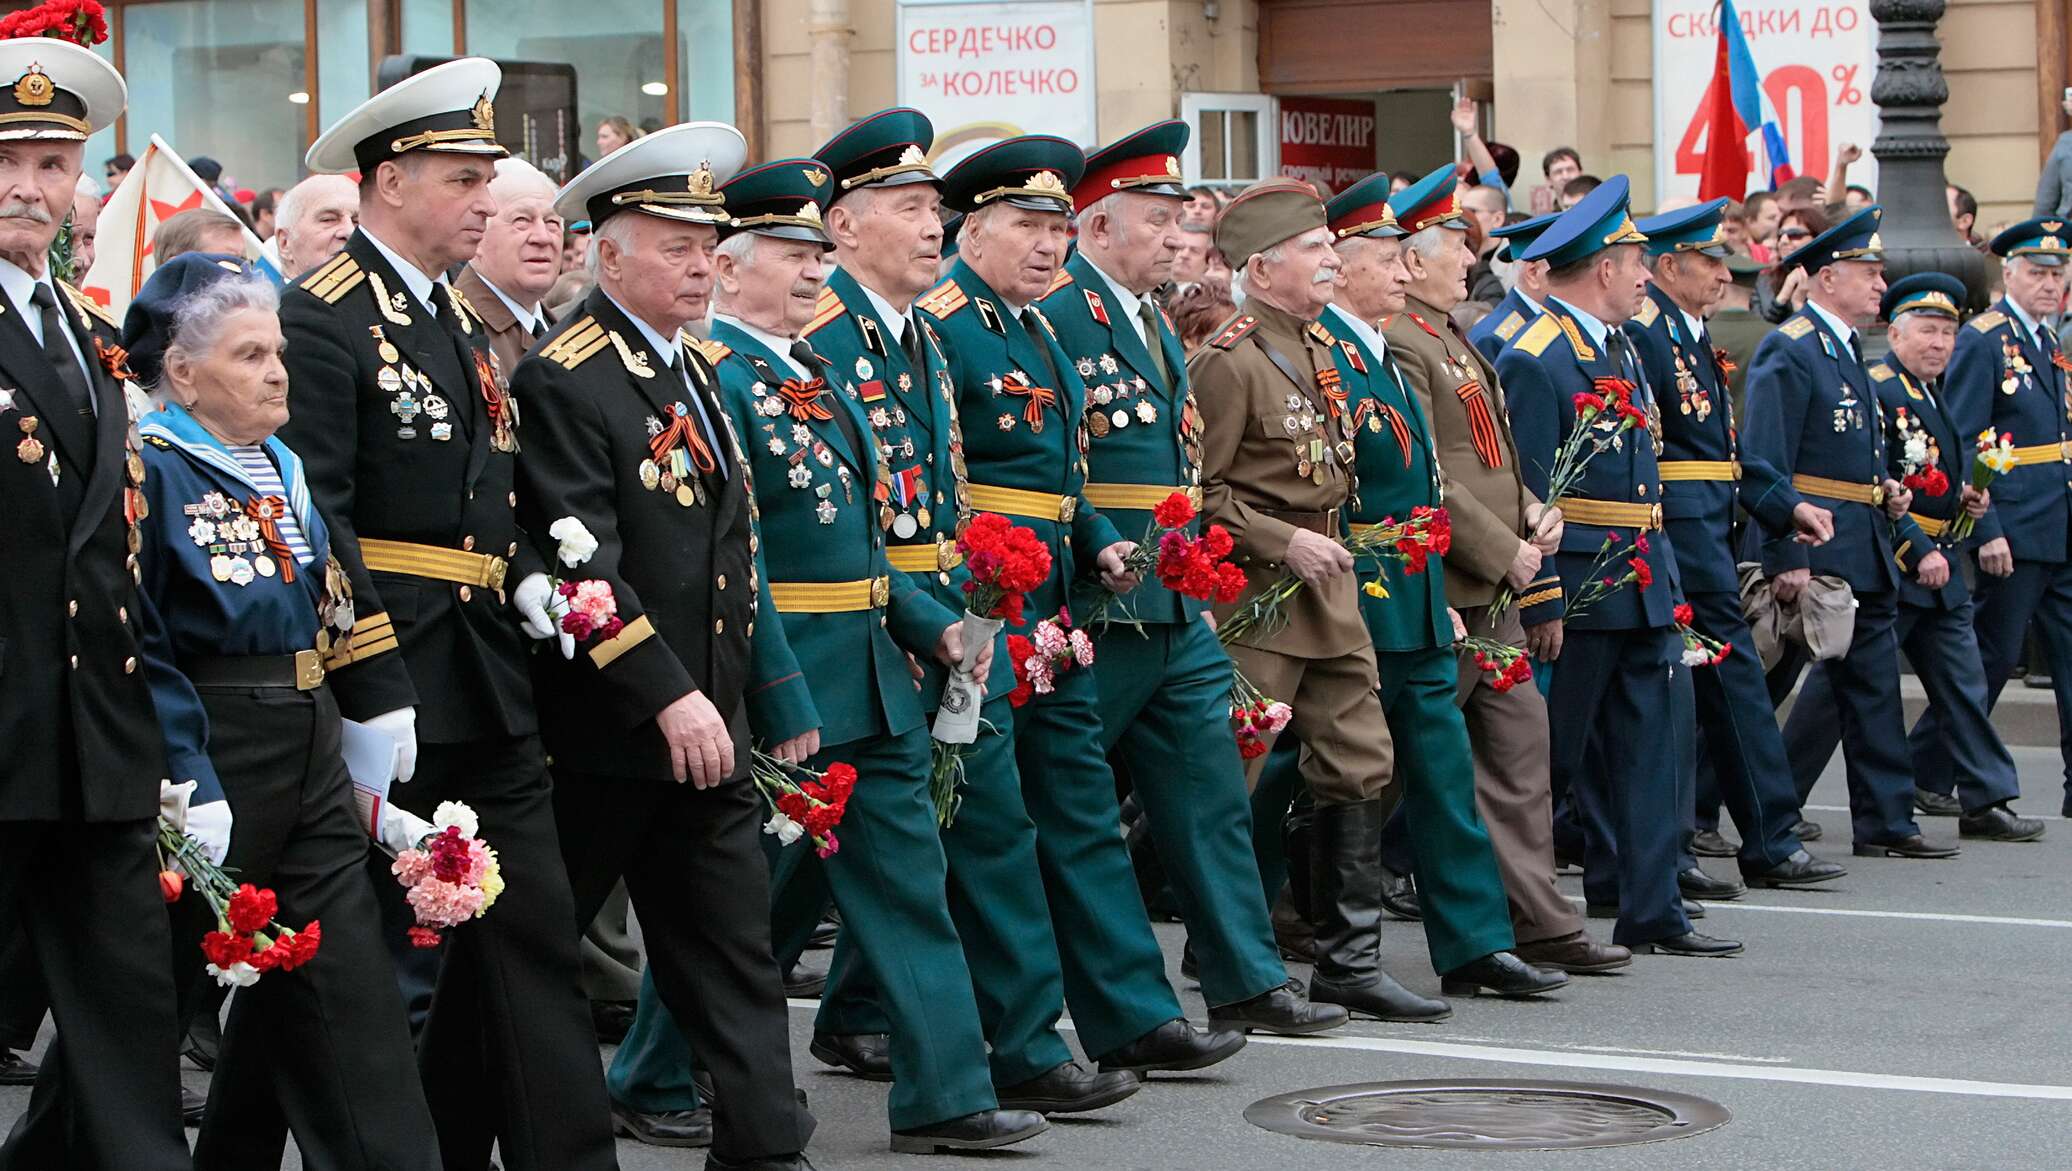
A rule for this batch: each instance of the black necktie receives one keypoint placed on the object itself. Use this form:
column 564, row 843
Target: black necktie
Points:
column 58, row 352
column 910, row 340
column 539, row 328
column 1856, row 349
column 1029, row 326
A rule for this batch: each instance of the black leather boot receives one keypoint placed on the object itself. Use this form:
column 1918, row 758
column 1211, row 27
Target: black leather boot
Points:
column 1345, row 901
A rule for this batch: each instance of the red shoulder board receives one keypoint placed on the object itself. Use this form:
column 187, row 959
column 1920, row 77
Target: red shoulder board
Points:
column 1234, row 331
column 1095, row 307
column 1425, row 325
column 1352, row 355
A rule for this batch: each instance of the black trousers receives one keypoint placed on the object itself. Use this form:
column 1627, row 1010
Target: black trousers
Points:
column 694, row 866
column 22, row 999
column 85, row 896
column 325, row 1047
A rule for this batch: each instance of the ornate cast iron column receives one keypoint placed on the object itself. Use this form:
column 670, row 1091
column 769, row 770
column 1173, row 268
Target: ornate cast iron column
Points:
column 1910, row 91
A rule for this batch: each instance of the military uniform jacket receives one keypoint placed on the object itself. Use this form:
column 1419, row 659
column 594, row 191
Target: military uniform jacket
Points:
column 610, row 444
column 1551, row 362
column 82, row 740
column 1812, row 412
column 220, row 575
column 1277, row 457
column 1143, row 432
column 508, row 340
column 2000, row 378
column 1393, row 450
column 1486, row 494
column 1021, row 402
column 408, row 435
column 912, row 411
column 1923, row 402
column 1502, row 325
column 1698, row 428
column 825, row 508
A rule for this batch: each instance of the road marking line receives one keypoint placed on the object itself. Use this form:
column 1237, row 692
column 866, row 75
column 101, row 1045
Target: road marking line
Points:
column 1923, row 916
column 1845, row 809
column 1694, row 1053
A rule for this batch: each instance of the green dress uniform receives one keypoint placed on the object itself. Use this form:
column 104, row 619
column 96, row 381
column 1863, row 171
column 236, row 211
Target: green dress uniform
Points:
column 1164, row 680
column 1021, row 402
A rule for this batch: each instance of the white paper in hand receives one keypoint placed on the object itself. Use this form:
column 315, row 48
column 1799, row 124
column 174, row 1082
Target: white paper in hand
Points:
column 370, row 758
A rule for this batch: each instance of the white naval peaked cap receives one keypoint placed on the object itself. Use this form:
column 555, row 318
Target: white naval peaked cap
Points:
column 53, row 89
column 449, row 108
column 674, row 173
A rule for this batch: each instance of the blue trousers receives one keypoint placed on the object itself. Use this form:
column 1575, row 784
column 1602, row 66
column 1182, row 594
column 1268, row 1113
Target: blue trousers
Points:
column 2039, row 591
column 1954, row 745
column 1740, row 727
column 1865, row 687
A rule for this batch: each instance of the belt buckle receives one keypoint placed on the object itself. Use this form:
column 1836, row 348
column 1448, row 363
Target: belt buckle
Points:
column 1194, row 497
column 494, row 577
column 1654, row 516
column 1877, row 494
column 881, row 592
column 1066, row 507
column 1737, row 468
column 309, row 670
column 947, row 555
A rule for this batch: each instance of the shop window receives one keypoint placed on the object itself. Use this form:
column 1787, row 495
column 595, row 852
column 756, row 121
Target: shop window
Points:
column 1234, row 141
column 220, row 78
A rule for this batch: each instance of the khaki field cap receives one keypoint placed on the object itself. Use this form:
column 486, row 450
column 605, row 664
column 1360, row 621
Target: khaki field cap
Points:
column 1265, row 214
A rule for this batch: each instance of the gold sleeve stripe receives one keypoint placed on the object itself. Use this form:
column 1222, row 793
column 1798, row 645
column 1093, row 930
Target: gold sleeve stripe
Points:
column 632, row 635
column 1549, row 595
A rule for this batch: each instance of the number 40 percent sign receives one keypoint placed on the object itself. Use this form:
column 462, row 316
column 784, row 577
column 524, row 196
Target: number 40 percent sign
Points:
column 1792, row 89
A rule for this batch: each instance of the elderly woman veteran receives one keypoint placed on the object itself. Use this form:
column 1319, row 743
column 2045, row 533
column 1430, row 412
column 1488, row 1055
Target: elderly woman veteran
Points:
column 234, row 559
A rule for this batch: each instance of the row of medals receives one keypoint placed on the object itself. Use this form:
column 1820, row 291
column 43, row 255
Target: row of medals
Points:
column 1316, row 455
column 411, row 394
column 1100, row 395
column 675, row 479
column 236, row 552
column 1696, row 400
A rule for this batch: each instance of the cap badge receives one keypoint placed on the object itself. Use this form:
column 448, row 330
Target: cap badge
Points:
column 810, row 212
column 912, row 157
column 485, row 115
column 34, row 88
column 1172, row 166
column 1048, row 183
column 815, row 176
column 2052, row 225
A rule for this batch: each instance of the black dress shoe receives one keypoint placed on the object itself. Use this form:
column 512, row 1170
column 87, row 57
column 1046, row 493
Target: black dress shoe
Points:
column 974, row 1132
column 1910, row 846
column 1576, row 954
column 799, row 1162
column 192, row 1107
column 611, row 1018
column 16, row 1070
column 1500, row 973
column 1382, row 1000
column 1287, row 1010
column 1801, row 869
column 824, row 932
column 867, row 1055
column 1807, row 831
column 1708, row 843
column 1399, row 895
column 1174, row 1047
column 1694, row 883
column 667, row 1128
column 1997, row 823
column 1936, row 804
column 1693, row 909
column 1070, row 1088
column 1190, row 968
column 804, row 981
column 1690, row 944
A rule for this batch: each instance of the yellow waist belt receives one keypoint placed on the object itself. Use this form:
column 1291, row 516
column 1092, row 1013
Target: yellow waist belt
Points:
column 1143, row 497
column 1021, row 502
column 939, row 557
column 1930, row 525
column 1871, row 494
column 1610, row 513
column 830, row 597
column 432, row 561
column 1700, row 469
column 2043, row 453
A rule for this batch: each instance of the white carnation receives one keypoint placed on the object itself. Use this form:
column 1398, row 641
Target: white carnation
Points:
column 577, row 542
column 787, row 830
column 455, row 813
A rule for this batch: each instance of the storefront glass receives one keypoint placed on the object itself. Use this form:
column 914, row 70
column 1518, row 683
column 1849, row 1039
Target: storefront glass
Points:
column 219, row 78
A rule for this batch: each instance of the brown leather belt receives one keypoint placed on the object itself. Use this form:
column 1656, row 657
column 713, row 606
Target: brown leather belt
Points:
column 1325, row 523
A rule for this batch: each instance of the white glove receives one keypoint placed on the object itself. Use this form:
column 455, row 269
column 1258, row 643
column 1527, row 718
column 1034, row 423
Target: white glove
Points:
column 542, row 606
column 172, row 802
column 401, row 829
column 209, row 825
column 401, row 726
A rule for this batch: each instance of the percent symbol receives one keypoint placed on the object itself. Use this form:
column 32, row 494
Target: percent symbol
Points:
column 1849, row 95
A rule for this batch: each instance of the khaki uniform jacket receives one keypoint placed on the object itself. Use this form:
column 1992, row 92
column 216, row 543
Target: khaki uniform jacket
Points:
column 1485, row 495
column 507, row 339
column 1271, row 464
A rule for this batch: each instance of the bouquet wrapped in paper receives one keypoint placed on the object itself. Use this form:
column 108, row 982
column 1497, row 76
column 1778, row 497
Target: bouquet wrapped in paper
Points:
column 1006, row 562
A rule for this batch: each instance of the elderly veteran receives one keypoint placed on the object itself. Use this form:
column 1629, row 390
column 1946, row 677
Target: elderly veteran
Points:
column 1935, row 624
column 1276, row 471
column 237, row 561
column 2010, row 376
column 1522, row 305
column 517, row 262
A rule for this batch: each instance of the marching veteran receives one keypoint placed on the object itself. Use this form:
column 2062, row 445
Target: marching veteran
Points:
column 85, row 761
column 1164, row 679
column 1021, row 403
column 2011, row 376
column 1501, row 533
column 1276, row 471
column 1935, row 624
column 1703, row 474
column 517, row 262
column 1522, row 305
column 1813, row 415
column 630, row 456
column 1619, row 661
column 237, row 561
column 409, row 441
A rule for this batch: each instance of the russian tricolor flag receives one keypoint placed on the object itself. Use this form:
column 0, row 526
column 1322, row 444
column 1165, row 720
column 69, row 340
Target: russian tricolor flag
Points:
column 1736, row 107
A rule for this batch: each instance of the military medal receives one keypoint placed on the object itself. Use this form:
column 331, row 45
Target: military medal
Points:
column 219, row 567
column 800, row 476
column 864, row 369
column 405, row 409
column 1085, row 366
column 1097, row 423
column 650, row 474
column 684, row 495
column 388, row 380
column 904, row 526
column 384, row 347
column 1120, row 418
column 264, row 565
column 1108, row 364
column 1146, row 413
column 825, row 510
column 30, row 449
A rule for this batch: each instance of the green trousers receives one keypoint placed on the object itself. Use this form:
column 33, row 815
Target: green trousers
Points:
column 1458, row 885
column 888, row 879
column 1165, row 697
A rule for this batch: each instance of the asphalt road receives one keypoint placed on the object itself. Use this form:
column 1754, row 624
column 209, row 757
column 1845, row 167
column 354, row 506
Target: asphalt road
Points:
column 1910, row 1016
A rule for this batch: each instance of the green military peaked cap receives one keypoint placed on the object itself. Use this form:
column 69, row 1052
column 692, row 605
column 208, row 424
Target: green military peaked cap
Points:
column 1035, row 171
column 781, row 198
column 886, row 149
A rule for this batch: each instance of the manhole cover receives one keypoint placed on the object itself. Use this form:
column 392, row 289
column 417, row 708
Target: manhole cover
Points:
column 1486, row 1114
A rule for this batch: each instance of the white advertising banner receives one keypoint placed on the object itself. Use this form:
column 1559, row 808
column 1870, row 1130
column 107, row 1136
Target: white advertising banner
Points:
column 984, row 72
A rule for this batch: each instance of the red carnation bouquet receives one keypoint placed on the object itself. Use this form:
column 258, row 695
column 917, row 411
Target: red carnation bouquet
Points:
column 247, row 942
column 1604, row 414
column 803, row 803
column 1255, row 717
column 1613, row 569
column 1506, row 665
column 1006, row 562
column 1918, row 456
column 1413, row 542
column 82, row 22
column 1195, row 567
column 1700, row 650
column 1049, row 651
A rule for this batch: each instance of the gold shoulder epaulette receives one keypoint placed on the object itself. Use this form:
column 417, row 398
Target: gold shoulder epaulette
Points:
column 1535, row 340
column 943, row 300
column 1988, row 321
column 1233, row 332
column 1797, row 327
column 334, row 279
column 826, row 309
column 1317, row 331
column 715, row 352
column 1512, row 323
column 578, row 345
column 158, row 441
column 88, row 305
column 1058, row 282
column 1880, row 372
column 1649, row 311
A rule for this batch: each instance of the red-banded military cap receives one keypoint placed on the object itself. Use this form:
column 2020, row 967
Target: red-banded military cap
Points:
column 1147, row 162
